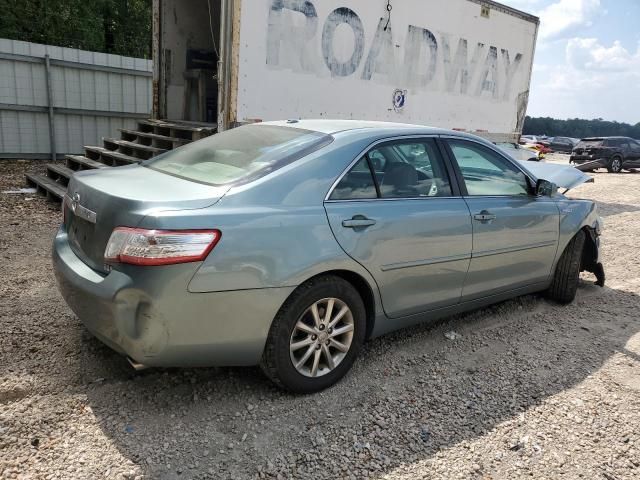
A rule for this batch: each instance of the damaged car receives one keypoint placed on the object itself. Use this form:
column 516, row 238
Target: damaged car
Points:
column 289, row 244
column 612, row 153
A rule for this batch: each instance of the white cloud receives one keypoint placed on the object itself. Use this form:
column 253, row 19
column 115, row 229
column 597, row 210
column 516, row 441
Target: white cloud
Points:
column 581, row 77
column 596, row 81
column 565, row 16
column 589, row 54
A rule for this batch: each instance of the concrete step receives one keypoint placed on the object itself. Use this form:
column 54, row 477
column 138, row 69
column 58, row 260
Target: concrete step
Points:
column 46, row 186
column 59, row 173
column 142, row 152
column 153, row 139
column 110, row 158
column 179, row 129
column 78, row 162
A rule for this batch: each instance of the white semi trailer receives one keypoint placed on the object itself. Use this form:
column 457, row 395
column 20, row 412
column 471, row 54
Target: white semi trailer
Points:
column 460, row 64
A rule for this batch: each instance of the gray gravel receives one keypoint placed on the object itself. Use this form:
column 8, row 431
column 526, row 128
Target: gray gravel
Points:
column 524, row 389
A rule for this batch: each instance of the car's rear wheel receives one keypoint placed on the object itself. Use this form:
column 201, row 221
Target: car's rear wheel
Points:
column 615, row 165
column 316, row 335
column 565, row 279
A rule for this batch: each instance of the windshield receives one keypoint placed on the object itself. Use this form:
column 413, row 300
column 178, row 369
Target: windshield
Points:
column 239, row 155
column 590, row 143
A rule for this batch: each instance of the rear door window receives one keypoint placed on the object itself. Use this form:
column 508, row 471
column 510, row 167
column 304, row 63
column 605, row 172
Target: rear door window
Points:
column 398, row 169
column 412, row 170
column 357, row 184
column 614, row 143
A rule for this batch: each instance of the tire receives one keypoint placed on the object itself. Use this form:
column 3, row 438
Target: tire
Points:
column 565, row 279
column 615, row 165
column 279, row 356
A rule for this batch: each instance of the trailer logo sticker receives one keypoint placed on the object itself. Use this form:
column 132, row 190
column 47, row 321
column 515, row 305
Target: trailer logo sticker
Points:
column 298, row 40
column 399, row 98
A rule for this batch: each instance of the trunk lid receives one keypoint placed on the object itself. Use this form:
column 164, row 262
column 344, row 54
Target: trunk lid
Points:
column 97, row 201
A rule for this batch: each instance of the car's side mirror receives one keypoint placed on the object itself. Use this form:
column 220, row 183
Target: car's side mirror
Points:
column 545, row 188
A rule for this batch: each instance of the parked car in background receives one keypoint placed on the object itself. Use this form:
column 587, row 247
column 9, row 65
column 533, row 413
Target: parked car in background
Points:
column 288, row 244
column 529, row 139
column 537, row 145
column 612, row 153
column 520, row 152
column 562, row 144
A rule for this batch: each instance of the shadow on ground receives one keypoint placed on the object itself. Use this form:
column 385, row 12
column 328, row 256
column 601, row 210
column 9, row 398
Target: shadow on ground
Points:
column 606, row 209
column 412, row 394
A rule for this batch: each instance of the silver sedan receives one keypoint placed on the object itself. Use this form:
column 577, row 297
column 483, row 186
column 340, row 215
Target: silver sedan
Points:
column 289, row 244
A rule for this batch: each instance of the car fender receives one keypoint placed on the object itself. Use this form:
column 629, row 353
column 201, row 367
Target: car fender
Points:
column 296, row 244
column 575, row 215
column 293, row 244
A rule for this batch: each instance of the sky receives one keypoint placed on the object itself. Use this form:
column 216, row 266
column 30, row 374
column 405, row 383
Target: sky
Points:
column 587, row 62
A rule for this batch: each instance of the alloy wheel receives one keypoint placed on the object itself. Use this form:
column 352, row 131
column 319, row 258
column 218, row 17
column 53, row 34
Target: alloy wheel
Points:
column 321, row 337
column 616, row 165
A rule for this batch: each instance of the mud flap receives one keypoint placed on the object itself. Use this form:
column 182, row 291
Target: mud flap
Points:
column 599, row 273
column 590, row 256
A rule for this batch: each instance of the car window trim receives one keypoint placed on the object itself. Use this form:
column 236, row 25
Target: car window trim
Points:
column 461, row 183
column 372, row 172
column 455, row 189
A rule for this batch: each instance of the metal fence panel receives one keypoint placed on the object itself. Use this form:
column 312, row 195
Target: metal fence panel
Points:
column 93, row 94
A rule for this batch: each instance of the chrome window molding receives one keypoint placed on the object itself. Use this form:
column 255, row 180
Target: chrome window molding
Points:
column 395, row 199
column 359, row 157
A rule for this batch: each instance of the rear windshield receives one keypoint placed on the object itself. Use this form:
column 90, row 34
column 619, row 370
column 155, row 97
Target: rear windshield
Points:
column 590, row 143
column 239, row 155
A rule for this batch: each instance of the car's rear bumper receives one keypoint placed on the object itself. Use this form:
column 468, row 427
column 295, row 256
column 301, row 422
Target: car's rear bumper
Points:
column 586, row 163
column 147, row 313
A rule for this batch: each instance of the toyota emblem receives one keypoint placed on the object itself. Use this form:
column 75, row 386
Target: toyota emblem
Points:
column 75, row 201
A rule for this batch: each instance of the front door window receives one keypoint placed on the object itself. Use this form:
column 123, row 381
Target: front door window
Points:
column 486, row 173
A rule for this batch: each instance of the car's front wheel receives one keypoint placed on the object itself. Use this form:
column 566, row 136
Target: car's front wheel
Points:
column 316, row 335
column 615, row 166
column 564, row 286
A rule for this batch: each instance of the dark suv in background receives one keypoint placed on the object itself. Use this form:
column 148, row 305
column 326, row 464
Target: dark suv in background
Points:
column 612, row 153
column 562, row 144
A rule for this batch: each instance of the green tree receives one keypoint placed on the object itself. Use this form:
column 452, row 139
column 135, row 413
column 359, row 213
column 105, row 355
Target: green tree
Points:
column 579, row 128
column 121, row 27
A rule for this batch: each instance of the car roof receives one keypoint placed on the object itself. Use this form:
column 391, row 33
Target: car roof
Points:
column 334, row 126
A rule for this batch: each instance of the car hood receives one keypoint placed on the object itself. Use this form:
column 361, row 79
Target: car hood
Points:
column 564, row 176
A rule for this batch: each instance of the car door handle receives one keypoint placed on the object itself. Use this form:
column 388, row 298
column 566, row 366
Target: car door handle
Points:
column 358, row 221
column 484, row 216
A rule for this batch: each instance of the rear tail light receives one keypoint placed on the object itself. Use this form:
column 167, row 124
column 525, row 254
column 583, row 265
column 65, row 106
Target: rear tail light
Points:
column 159, row 247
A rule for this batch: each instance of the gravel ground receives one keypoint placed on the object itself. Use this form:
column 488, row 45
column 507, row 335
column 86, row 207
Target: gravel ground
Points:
column 528, row 389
